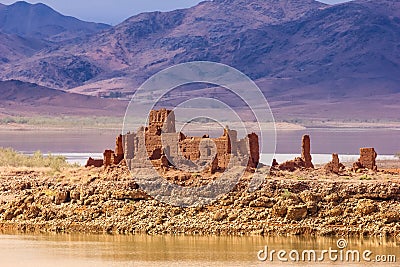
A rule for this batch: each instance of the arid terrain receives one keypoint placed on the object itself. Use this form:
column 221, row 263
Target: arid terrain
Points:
column 107, row 200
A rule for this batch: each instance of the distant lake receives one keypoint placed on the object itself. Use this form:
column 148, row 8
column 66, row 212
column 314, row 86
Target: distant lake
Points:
column 78, row 145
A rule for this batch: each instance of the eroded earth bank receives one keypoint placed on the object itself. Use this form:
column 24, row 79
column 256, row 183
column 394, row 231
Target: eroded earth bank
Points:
column 108, row 200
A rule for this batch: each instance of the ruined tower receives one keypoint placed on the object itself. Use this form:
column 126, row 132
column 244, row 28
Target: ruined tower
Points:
column 161, row 121
column 306, row 151
column 119, row 150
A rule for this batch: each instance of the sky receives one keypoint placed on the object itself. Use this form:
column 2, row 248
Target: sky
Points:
column 114, row 12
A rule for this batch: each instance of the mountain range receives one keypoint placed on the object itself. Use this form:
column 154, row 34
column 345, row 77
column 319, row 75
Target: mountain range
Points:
column 297, row 51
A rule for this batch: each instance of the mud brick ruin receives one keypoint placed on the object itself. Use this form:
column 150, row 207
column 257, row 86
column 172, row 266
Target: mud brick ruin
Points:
column 367, row 160
column 334, row 166
column 303, row 162
column 165, row 147
column 160, row 143
column 94, row 162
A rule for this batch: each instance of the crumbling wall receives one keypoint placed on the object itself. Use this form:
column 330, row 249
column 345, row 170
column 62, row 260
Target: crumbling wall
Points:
column 140, row 150
column 94, row 163
column 108, row 157
column 189, row 148
column 292, row 165
column 170, row 143
column 208, row 149
column 334, row 166
column 160, row 122
column 367, row 159
column 224, row 149
column 153, row 145
column 300, row 162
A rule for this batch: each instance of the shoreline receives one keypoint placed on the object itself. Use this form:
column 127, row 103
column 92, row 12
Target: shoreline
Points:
column 108, row 201
column 115, row 123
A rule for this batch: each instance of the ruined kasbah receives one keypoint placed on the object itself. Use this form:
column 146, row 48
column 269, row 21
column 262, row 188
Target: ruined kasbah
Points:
column 160, row 143
column 166, row 148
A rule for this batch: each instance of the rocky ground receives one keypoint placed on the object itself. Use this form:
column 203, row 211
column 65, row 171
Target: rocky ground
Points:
column 107, row 200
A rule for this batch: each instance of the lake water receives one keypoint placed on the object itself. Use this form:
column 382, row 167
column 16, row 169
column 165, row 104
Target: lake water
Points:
column 143, row 250
column 323, row 141
column 77, row 146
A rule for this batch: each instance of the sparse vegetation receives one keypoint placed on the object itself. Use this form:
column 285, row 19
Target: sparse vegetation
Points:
column 12, row 158
column 397, row 155
column 196, row 175
column 365, row 177
column 286, row 194
column 12, row 120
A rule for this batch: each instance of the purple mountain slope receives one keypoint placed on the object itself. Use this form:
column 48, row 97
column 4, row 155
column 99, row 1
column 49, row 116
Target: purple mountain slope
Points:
column 19, row 98
column 293, row 49
column 41, row 22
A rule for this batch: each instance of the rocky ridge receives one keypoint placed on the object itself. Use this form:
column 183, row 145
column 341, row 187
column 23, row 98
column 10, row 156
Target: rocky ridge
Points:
column 107, row 200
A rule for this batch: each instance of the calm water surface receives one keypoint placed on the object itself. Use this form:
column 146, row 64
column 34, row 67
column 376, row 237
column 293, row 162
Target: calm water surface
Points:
column 105, row 250
column 323, row 141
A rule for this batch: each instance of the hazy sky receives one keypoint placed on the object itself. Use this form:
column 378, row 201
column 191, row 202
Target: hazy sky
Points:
column 114, row 12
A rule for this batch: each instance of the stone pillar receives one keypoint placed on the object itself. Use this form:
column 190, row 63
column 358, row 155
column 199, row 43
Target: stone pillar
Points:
column 306, row 151
column 254, row 150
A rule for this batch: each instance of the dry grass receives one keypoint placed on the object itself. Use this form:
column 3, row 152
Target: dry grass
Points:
column 12, row 158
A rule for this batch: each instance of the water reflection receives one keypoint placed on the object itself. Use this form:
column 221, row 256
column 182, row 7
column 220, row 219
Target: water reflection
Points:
column 143, row 250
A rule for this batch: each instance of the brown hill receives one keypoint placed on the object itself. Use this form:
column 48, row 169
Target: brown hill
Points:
column 19, row 98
